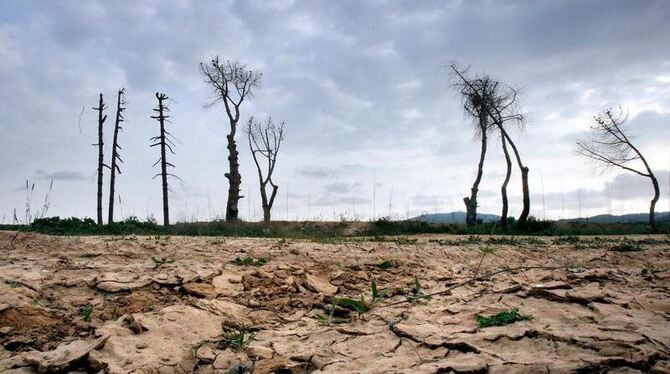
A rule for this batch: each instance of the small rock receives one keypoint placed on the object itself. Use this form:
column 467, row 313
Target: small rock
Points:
column 64, row 355
column 201, row 290
column 253, row 303
column 508, row 289
column 259, row 351
column 276, row 365
column 320, row 285
column 133, row 325
column 6, row 330
column 227, row 359
column 82, row 325
column 141, row 345
column 206, row 354
column 553, row 285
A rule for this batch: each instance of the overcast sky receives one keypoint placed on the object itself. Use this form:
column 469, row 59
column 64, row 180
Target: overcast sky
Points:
column 362, row 85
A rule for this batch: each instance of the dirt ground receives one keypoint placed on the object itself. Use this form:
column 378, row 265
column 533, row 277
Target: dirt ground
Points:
column 150, row 304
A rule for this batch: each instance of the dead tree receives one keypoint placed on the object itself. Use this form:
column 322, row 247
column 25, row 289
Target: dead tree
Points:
column 609, row 145
column 499, row 104
column 474, row 106
column 232, row 82
column 264, row 143
column 165, row 144
column 101, row 154
column 116, row 158
column 503, row 188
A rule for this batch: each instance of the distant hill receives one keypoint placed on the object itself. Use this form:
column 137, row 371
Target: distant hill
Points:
column 453, row 217
column 626, row 218
column 459, row 217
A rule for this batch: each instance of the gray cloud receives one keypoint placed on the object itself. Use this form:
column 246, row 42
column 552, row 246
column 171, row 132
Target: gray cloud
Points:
column 317, row 172
column 623, row 187
column 61, row 175
column 362, row 86
column 341, row 187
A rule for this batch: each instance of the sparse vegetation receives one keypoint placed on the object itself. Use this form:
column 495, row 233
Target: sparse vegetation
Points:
column 649, row 270
column 329, row 232
column 237, row 339
column 86, row 313
column 361, row 305
column 248, row 260
column 416, row 293
column 387, row 264
column 626, row 246
column 160, row 261
column 503, row 318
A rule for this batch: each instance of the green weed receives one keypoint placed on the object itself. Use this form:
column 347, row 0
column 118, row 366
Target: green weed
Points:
column 626, row 246
column 86, row 312
column 503, row 318
column 361, row 305
column 160, row 261
column 237, row 339
column 569, row 239
column 416, row 293
column 649, row 270
column 388, row 264
column 248, row 260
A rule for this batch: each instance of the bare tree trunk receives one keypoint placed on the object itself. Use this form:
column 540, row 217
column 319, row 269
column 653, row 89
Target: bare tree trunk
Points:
column 654, row 183
column 166, row 208
column 523, row 217
column 162, row 141
column 101, row 157
column 115, row 154
column 652, row 205
column 234, row 177
column 267, row 206
column 503, row 189
column 471, row 202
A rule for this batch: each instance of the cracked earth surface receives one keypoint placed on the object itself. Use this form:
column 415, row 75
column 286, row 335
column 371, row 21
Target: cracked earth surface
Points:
column 150, row 304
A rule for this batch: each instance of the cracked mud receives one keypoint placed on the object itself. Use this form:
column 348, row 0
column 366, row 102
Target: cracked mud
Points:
column 177, row 304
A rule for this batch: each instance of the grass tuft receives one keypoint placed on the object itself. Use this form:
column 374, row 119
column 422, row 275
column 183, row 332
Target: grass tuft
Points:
column 237, row 339
column 248, row 260
column 86, row 312
column 503, row 318
column 388, row 264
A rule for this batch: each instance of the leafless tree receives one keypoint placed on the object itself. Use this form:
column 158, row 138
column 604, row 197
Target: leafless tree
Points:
column 474, row 106
column 116, row 158
column 609, row 145
column 503, row 188
column 232, row 83
column 165, row 144
column 499, row 103
column 101, row 154
column 264, row 142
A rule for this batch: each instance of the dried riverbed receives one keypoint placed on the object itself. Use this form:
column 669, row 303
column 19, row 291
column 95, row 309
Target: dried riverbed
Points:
column 180, row 304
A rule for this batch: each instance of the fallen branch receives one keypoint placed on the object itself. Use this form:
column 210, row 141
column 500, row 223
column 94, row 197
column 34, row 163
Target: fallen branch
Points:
column 483, row 277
